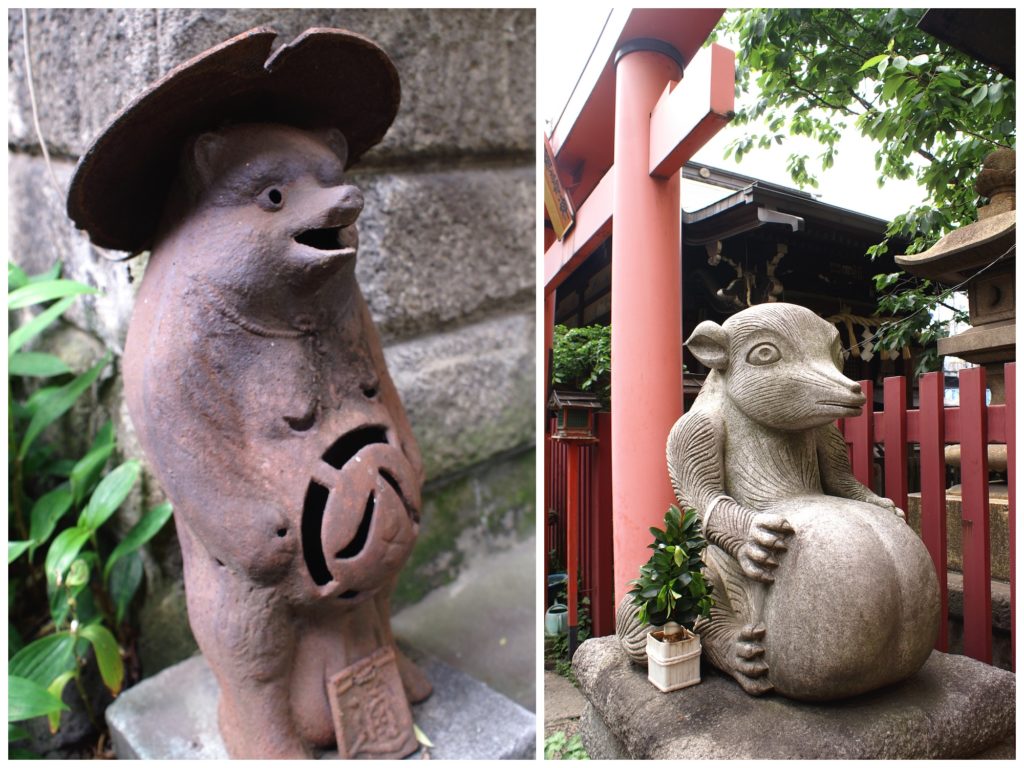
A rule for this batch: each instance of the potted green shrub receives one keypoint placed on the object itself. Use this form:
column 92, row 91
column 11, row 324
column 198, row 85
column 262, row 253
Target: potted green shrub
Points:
column 672, row 594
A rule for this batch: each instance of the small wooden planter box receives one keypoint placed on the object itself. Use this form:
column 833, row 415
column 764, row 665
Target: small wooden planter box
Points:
column 671, row 666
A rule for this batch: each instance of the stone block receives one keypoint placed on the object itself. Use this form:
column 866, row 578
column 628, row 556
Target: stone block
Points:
column 468, row 75
column 954, row 707
column 998, row 531
column 478, row 512
column 174, row 716
column 469, row 393
column 448, row 247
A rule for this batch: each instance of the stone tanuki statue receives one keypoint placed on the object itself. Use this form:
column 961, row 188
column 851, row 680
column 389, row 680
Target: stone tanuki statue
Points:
column 257, row 385
column 822, row 590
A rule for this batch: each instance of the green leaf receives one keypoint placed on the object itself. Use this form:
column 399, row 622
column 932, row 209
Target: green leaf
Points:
column 42, row 660
column 899, row 63
column 15, row 549
column 141, row 532
column 678, row 556
column 51, row 274
column 109, row 495
column 87, row 471
column 47, row 512
column 124, row 580
column 38, row 364
column 873, row 62
column 63, row 551
column 78, row 574
column 979, row 95
column 16, row 277
column 37, row 325
column 108, row 655
column 27, row 699
column 58, row 402
column 37, row 293
column 920, row 60
column 57, row 689
column 16, row 733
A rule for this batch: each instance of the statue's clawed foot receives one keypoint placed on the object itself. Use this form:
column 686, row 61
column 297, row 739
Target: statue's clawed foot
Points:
column 750, row 669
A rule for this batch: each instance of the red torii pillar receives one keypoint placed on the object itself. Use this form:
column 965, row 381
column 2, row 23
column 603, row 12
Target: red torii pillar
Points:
column 647, row 307
column 661, row 120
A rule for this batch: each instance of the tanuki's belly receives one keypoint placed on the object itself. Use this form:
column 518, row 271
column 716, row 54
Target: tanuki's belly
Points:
column 855, row 602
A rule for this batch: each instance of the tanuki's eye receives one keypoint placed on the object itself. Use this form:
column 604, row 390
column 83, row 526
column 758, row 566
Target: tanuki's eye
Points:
column 764, row 353
column 270, row 199
column 838, row 356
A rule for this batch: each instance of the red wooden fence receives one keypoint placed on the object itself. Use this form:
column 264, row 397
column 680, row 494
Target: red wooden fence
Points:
column 595, row 533
column 973, row 425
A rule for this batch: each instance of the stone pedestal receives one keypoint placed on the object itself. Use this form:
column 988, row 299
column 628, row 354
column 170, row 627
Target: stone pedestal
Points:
column 173, row 715
column 954, row 707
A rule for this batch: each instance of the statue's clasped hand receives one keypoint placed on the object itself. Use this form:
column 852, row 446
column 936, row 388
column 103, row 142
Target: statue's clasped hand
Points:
column 766, row 537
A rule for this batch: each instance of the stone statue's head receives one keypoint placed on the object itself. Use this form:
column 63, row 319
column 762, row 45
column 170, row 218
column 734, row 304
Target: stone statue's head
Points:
column 780, row 364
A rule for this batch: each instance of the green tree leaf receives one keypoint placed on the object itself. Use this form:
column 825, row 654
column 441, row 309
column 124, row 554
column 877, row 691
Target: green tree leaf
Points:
column 38, row 364
column 108, row 655
column 15, row 549
column 42, row 660
column 87, row 471
column 141, row 532
column 47, row 512
column 57, row 689
column 873, row 61
column 109, row 495
column 37, row 293
column 58, row 402
column 27, row 699
column 78, row 574
column 37, row 325
column 63, row 551
column 123, row 582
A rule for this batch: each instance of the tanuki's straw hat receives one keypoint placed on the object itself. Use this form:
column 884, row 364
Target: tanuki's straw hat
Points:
column 324, row 78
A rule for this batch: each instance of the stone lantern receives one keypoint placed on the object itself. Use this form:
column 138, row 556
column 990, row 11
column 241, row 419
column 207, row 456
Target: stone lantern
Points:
column 982, row 254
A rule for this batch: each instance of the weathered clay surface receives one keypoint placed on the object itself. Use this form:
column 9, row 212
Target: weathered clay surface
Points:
column 953, row 707
column 260, row 394
column 822, row 591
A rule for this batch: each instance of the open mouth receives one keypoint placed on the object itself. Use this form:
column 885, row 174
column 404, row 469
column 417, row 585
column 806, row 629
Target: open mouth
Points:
column 324, row 239
column 839, row 404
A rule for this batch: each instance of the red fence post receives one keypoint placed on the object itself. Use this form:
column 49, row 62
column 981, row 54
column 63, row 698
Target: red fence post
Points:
column 895, row 439
column 974, row 511
column 932, row 438
column 860, row 433
column 1010, row 370
column 572, row 532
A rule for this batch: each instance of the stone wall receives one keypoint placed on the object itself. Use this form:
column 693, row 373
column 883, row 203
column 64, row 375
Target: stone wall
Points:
column 446, row 259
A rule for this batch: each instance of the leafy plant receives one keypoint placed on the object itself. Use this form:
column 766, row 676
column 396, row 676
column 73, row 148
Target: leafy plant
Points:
column 934, row 113
column 58, row 507
column 671, row 586
column 557, row 650
column 558, row 747
column 582, row 359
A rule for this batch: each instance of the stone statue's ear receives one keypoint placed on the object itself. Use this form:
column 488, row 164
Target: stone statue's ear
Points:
column 709, row 343
column 206, row 151
column 335, row 139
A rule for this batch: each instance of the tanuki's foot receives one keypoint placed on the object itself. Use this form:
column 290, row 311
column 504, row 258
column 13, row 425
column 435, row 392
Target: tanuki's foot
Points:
column 749, row 667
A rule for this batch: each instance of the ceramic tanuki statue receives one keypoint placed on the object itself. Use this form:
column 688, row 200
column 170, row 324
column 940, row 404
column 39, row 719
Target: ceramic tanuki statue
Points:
column 256, row 382
column 822, row 590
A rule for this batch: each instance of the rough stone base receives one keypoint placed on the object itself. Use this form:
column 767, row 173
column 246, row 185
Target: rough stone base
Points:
column 174, row 716
column 954, row 707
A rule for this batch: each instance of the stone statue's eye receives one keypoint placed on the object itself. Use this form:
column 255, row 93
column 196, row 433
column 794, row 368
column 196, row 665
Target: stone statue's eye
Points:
column 764, row 354
column 270, row 199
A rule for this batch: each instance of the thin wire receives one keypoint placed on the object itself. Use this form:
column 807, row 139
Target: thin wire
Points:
column 948, row 291
column 35, row 109
column 580, row 77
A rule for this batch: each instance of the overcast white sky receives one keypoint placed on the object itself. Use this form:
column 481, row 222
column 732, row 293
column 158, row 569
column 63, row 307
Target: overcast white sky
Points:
column 566, row 35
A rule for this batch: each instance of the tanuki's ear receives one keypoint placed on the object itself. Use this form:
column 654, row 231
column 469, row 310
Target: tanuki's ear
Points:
column 206, row 152
column 709, row 343
column 339, row 145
